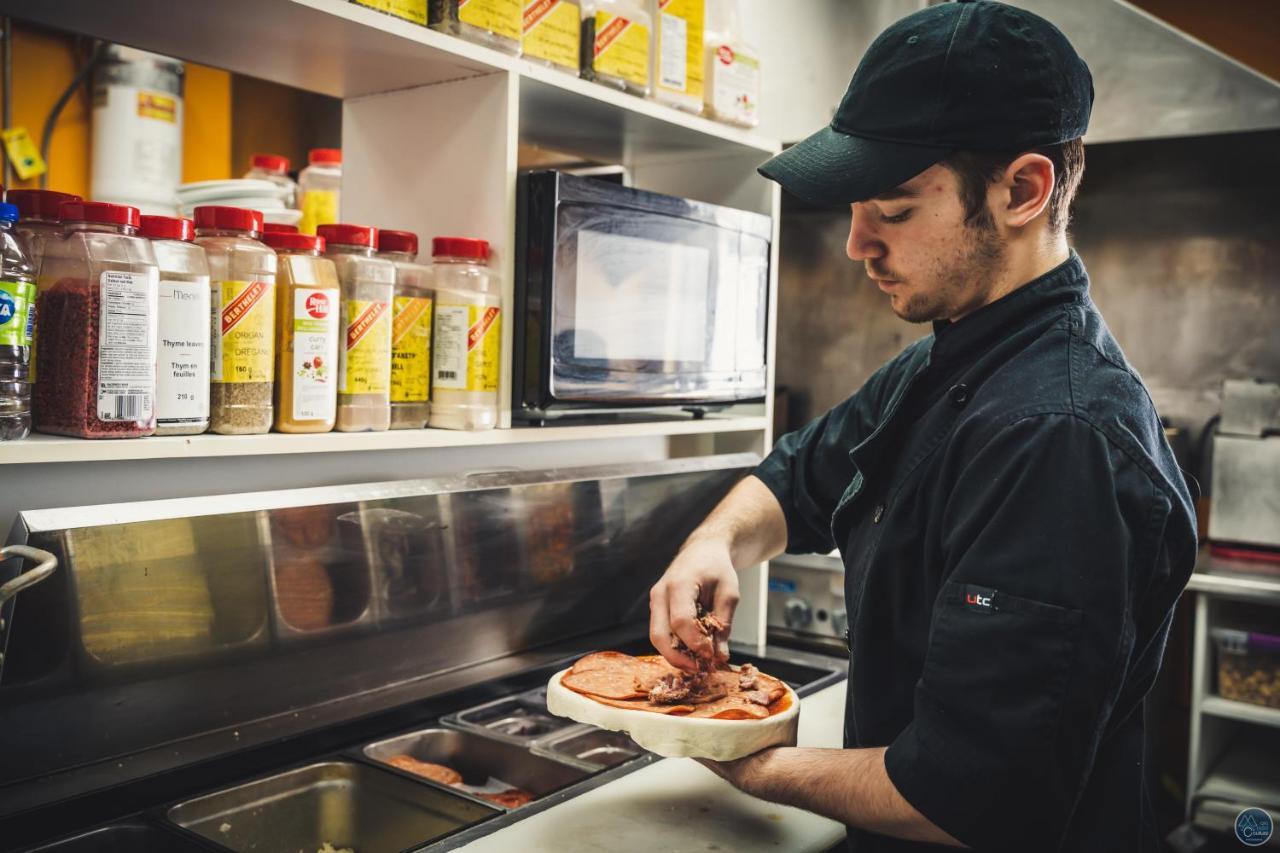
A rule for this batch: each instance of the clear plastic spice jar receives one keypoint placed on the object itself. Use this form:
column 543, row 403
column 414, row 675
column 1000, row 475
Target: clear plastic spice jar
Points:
column 242, row 274
column 96, row 310
column 308, row 308
column 182, row 354
column 678, row 58
column 492, row 23
column 17, row 318
column 364, row 349
column 320, row 188
column 274, row 168
column 410, row 331
column 615, row 44
column 466, row 348
column 38, row 218
column 552, row 34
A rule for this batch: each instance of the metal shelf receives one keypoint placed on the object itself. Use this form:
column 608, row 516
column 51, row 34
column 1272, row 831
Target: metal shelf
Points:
column 48, row 448
column 1216, row 706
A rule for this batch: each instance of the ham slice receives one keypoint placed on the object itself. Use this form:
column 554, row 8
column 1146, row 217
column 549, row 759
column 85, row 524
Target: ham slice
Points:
column 623, row 681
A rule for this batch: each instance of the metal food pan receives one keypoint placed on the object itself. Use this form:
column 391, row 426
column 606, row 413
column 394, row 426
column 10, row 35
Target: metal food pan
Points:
column 340, row 802
column 133, row 837
column 320, row 578
column 486, row 765
column 407, row 540
column 167, row 591
column 592, row 749
column 520, row 719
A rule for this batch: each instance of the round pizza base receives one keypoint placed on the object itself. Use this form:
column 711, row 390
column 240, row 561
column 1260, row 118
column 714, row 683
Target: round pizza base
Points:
column 677, row 736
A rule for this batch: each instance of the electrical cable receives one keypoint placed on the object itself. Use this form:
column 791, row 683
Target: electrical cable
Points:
column 46, row 135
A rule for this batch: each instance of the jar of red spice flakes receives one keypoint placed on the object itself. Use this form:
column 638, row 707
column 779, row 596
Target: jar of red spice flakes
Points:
column 97, row 308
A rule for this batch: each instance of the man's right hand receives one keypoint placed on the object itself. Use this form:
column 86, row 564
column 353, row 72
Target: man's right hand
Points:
column 702, row 573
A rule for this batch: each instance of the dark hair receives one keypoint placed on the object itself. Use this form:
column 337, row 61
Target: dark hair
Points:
column 977, row 170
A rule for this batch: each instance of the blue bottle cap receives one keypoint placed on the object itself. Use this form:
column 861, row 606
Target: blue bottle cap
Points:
column 8, row 212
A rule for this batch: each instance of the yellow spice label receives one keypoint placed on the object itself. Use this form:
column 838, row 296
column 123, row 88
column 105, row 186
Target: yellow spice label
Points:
column 468, row 347
column 410, row 10
column 621, row 48
column 680, row 49
column 552, row 31
column 243, row 323
column 411, row 349
column 319, row 207
column 366, row 351
column 496, row 16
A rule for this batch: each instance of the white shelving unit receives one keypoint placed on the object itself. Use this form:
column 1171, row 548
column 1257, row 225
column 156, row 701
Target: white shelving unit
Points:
column 1216, row 721
column 432, row 130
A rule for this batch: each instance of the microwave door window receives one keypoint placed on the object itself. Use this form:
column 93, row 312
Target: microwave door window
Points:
column 639, row 300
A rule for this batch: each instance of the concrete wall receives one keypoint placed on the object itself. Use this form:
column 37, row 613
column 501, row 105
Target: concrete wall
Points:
column 1182, row 241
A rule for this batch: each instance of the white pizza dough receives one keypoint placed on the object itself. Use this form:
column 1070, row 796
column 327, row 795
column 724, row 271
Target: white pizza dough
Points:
column 676, row 736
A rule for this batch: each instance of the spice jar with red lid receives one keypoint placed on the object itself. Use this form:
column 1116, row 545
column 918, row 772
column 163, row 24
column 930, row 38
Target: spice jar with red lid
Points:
column 364, row 347
column 38, row 218
column 308, row 306
column 242, row 273
column 96, row 309
column 410, row 331
column 182, row 348
column 466, row 343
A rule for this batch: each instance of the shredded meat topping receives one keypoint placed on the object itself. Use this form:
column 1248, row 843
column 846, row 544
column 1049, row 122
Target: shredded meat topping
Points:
column 747, row 676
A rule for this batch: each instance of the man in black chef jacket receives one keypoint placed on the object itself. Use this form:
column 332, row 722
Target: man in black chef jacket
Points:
column 1013, row 526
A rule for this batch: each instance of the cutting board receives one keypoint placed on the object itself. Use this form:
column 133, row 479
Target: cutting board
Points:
column 676, row 806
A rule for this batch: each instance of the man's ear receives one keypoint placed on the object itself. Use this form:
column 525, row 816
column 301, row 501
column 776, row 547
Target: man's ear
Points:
column 1024, row 191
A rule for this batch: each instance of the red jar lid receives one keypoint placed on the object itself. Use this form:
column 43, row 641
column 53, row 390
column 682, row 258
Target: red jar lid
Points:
column 228, row 218
column 168, row 228
column 349, row 235
column 40, row 204
column 268, row 227
column 324, row 155
column 397, row 241
column 270, row 162
column 460, row 247
column 293, row 242
column 98, row 211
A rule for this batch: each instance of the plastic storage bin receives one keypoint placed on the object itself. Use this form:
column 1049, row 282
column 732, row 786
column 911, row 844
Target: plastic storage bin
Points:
column 1248, row 666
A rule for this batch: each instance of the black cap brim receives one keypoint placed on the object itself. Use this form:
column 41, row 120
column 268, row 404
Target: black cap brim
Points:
column 831, row 167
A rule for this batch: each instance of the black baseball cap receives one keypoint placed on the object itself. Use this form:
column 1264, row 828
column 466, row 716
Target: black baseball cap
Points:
column 968, row 75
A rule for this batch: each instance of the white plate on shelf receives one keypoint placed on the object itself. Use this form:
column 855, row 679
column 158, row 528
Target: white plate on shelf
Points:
column 208, row 192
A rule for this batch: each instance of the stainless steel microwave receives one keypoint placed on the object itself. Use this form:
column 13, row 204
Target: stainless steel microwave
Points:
column 626, row 299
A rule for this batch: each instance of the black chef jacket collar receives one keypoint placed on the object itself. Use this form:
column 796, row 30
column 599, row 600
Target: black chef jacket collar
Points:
column 954, row 341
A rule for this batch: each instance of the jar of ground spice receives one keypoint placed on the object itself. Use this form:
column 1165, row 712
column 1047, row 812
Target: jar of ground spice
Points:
column 96, row 309
column 242, row 274
column 410, row 331
column 307, row 314
column 364, row 348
